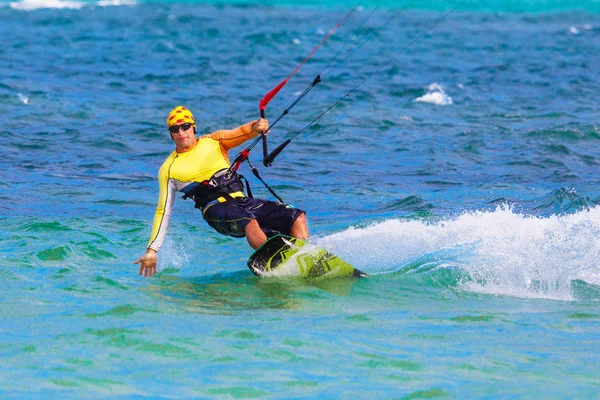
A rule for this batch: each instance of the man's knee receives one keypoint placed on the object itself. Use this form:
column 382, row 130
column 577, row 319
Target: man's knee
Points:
column 299, row 228
column 254, row 235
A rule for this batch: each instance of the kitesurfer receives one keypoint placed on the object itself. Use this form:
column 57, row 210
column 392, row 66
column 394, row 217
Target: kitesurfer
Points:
column 200, row 168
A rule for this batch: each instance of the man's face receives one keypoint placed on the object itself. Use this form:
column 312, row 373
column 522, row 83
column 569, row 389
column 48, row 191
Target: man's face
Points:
column 184, row 136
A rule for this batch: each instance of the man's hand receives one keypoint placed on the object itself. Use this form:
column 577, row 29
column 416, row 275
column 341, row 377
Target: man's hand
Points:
column 262, row 125
column 148, row 261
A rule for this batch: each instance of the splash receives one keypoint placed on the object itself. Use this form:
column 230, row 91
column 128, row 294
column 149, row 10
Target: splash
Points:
column 435, row 95
column 498, row 252
column 174, row 255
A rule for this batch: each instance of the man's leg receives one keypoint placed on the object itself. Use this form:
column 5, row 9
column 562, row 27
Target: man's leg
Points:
column 255, row 236
column 299, row 229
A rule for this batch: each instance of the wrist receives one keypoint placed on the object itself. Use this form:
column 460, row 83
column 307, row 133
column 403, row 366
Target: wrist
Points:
column 252, row 127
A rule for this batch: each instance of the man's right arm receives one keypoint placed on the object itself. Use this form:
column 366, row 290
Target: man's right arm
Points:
column 162, row 217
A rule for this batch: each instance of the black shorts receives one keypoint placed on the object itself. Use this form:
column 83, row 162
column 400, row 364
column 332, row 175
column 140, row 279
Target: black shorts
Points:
column 231, row 217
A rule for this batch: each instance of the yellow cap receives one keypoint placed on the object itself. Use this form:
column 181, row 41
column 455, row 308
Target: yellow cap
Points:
column 180, row 115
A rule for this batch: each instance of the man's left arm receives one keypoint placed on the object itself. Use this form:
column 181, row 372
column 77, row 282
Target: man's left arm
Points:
column 231, row 138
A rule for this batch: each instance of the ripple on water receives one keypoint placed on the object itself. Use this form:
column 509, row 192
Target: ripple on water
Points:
column 43, row 227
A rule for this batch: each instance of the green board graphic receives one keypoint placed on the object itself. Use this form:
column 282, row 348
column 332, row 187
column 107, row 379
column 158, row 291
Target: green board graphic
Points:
column 285, row 256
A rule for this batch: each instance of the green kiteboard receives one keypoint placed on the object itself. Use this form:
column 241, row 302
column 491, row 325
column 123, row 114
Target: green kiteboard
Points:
column 285, row 256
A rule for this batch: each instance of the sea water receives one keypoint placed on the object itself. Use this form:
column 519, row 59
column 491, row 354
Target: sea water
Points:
column 461, row 173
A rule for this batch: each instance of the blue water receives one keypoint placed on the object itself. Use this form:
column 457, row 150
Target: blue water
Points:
column 462, row 175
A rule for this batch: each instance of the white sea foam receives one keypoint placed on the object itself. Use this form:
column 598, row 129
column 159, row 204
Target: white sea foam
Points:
column 435, row 95
column 29, row 5
column 23, row 98
column 109, row 3
column 499, row 252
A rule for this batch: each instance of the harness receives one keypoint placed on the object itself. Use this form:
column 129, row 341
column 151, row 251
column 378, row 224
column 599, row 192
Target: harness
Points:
column 221, row 184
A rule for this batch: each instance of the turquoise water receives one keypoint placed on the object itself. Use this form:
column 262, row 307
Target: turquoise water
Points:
column 462, row 176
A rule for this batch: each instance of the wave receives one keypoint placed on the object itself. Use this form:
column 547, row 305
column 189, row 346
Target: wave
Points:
column 435, row 95
column 490, row 6
column 499, row 252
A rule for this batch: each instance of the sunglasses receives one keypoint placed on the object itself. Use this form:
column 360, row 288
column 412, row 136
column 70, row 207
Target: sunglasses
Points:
column 176, row 128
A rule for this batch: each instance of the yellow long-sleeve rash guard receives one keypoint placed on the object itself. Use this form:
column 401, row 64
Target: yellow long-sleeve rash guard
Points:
column 209, row 155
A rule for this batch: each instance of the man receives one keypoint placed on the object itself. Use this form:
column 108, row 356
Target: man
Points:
column 200, row 168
